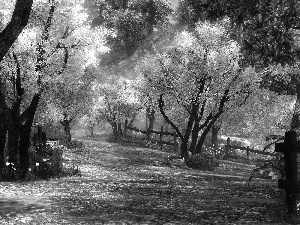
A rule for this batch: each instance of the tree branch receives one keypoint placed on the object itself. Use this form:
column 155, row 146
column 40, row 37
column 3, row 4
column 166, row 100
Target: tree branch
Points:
column 17, row 23
column 41, row 59
column 161, row 105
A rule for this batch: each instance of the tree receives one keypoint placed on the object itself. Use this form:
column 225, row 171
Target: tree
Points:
column 36, row 64
column 268, row 32
column 201, row 75
column 265, row 113
column 119, row 103
column 133, row 21
column 72, row 101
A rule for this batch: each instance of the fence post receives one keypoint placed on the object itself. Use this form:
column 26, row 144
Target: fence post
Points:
column 290, row 147
column 175, row 141
column 247, row 152
column 161, row 137
column 290, row 156
column 227, row 146
column 125, row 128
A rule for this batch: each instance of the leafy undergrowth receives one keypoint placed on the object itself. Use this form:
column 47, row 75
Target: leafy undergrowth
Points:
column 131, row 185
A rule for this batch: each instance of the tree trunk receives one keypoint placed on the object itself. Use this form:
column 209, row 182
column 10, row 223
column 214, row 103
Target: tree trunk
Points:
column 67, row 130
column 114, row 127
column 214, row 136
column 91, row 128
column 25, row 131
column 3, row 132
column 13, row 150
column 184, row 149
column 295, row 124
column 195, row 133
column 16, row 25
column 120, row 131
column 200, row 143
column 66, row 124
column 151, row 117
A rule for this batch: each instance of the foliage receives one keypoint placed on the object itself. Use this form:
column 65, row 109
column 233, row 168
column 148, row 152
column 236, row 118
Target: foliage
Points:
column 48, row 163
column 269, row 28
column 133, row 21
column 200, row 78
column 75, row 144
column 117, row 102
column 264, row 113
column 202, row 161
column 270, row 168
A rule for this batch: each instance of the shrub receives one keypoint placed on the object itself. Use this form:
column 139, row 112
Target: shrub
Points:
column 75, row 144
column 48, row 163
column 202, row 161
column 270, row 168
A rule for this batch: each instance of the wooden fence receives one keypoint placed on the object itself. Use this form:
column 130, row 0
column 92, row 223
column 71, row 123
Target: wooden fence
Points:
column 161, row 133
column 247, row 149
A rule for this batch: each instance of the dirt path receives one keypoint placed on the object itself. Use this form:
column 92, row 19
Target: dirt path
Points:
column 129, row 185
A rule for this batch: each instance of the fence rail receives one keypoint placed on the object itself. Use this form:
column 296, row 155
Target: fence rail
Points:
column 161, row 133
column 247, row 149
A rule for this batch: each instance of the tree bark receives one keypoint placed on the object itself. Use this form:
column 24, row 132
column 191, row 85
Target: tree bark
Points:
column 16, row 25
column 13, row 149
column 66, row 124
column 91, row 129
column 214, row 136
column 114, row 127
column 25, row 131
column 3, row 132
column 295, row 124
column 195, row 134
column 151, row 116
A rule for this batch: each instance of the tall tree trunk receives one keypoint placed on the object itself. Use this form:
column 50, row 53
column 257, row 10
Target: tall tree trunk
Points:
column 16, row 25
column 13, row 150
column 200, row 143
column 195, row 133
column 295, row 124
column 214, row 136
column 25, row 131
column 184, row 149
column 3, row 132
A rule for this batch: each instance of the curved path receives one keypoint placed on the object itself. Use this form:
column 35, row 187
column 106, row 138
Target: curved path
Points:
column 131, row 185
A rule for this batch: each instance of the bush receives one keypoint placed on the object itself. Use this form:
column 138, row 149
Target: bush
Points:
column 48, row 163
column 202, row 161
column 75, row 144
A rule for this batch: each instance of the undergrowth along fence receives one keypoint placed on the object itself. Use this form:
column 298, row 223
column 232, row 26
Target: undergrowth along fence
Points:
column 228, row 146
column 161, row 133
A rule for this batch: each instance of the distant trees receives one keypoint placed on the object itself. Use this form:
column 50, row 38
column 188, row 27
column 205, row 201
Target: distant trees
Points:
column 117, row 102
column 132, row 22
column 200, row 74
